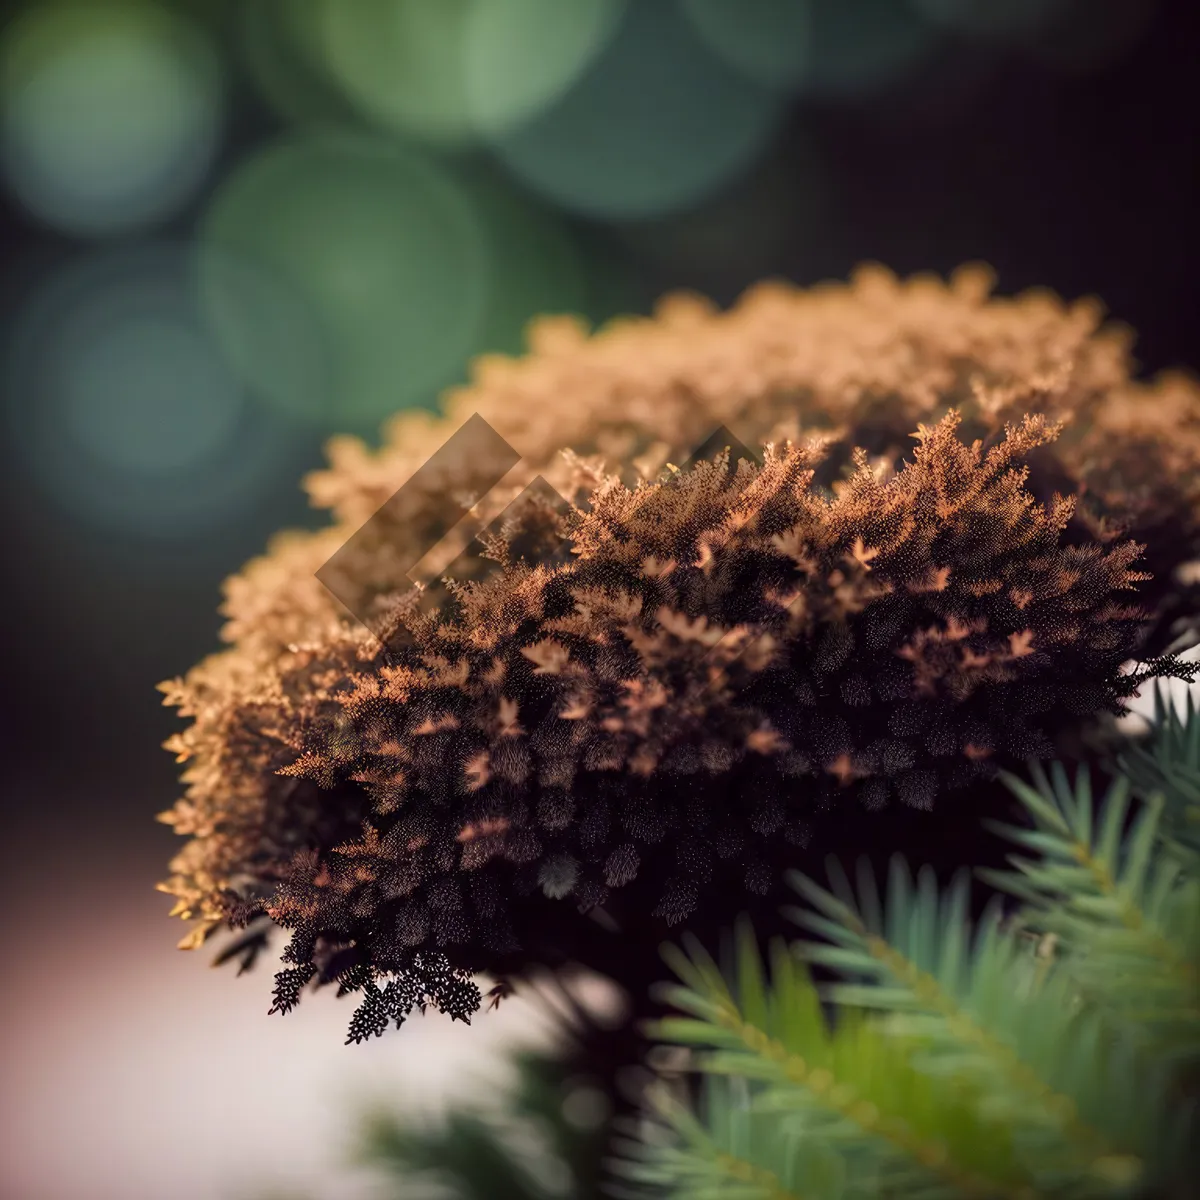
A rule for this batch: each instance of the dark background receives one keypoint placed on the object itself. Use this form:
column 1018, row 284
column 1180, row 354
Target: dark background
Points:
column 1086, row 182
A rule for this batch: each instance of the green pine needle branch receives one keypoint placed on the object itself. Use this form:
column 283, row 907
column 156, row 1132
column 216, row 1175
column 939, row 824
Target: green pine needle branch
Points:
column 1049, row 1055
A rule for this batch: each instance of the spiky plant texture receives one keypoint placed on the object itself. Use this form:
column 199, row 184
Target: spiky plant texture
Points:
column 673, row 678
column 960, row 1064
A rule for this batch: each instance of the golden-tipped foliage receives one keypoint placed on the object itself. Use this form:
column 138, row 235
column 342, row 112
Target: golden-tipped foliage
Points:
column 726, row 651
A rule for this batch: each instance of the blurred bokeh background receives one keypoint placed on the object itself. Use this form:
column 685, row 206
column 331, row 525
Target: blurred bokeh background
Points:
column 232, row 228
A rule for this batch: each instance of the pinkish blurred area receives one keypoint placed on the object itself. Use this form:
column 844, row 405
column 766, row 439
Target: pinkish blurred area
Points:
column 135, row 1072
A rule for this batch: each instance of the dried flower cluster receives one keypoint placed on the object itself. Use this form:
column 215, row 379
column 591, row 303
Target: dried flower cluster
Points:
column 721, row 654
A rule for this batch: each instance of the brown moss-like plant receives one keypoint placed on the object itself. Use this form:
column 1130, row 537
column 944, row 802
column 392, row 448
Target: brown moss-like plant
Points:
column 726, row 658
